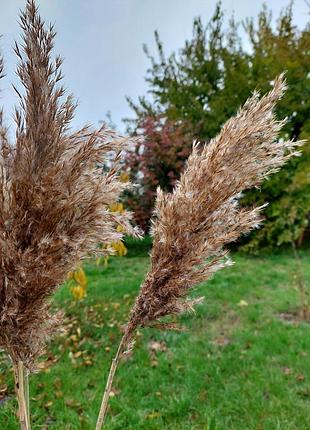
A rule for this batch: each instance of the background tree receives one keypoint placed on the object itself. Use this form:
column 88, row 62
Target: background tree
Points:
column 204, row 83
column 155, row 161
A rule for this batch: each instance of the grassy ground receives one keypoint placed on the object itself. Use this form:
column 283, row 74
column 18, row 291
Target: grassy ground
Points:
column 239, row 366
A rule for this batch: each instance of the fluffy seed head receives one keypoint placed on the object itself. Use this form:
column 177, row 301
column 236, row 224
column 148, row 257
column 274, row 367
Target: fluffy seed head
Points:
column 194, row 223
column 55, row 194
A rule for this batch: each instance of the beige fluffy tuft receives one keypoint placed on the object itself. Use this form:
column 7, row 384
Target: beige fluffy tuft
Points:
column 194, row 223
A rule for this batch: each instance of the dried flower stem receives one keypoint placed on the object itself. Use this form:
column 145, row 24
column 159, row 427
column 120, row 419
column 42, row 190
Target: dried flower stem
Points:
column 193, row 225
column 22, row 393
column 107, row 391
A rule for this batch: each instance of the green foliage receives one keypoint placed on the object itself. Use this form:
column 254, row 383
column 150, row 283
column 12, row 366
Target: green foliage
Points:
column 203, row 84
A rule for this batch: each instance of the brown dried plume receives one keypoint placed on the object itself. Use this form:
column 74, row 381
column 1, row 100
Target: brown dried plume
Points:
column 193, row 224
column 54, row 194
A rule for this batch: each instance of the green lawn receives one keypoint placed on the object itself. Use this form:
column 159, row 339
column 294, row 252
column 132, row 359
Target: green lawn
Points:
column 238, row 365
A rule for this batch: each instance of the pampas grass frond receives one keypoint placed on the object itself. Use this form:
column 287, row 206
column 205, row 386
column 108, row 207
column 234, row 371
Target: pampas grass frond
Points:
column 193, row 224
column 54, row 194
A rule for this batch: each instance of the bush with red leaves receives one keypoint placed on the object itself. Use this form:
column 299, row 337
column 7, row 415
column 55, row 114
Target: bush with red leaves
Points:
column 157, row 160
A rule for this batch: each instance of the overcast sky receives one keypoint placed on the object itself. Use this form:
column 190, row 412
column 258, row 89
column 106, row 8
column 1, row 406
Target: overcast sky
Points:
column 101, row 43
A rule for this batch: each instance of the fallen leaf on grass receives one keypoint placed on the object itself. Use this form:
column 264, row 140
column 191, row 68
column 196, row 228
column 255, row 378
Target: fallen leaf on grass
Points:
column 152, row 415
column 74, row 405
column 3, row 391
column 114, row 392
column 116, row 306
column 243, row 303
column 87, row 361
column 98, row 325
column 47, row 363
column 300, row 377
column 112, row 324
column 155, row 346
column 48, row 404
column 221, row 341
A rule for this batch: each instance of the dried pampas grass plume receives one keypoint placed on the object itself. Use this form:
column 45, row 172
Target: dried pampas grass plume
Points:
column 54, row 196
column 193, row 224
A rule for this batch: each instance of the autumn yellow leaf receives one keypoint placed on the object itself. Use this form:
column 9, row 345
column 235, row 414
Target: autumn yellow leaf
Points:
column 124, row 177
column 119, row 248
column 120, row 228
column 152, row 415
column 78, row 292
column 117, row 207
column 80, row 277
column 77, row 282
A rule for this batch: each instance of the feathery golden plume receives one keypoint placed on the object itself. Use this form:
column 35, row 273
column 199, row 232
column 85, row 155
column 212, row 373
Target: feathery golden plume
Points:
column 54, row 197
column 193, row 224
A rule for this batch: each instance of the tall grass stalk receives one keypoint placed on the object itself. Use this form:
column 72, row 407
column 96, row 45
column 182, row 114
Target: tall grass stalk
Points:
column 107, row 391
column 194, row 223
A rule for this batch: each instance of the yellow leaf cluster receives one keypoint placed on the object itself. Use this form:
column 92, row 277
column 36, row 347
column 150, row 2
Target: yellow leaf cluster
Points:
column 78, row 292
column 124, row 177
column 117, row 207
column 119, row 248
column 77, row 281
